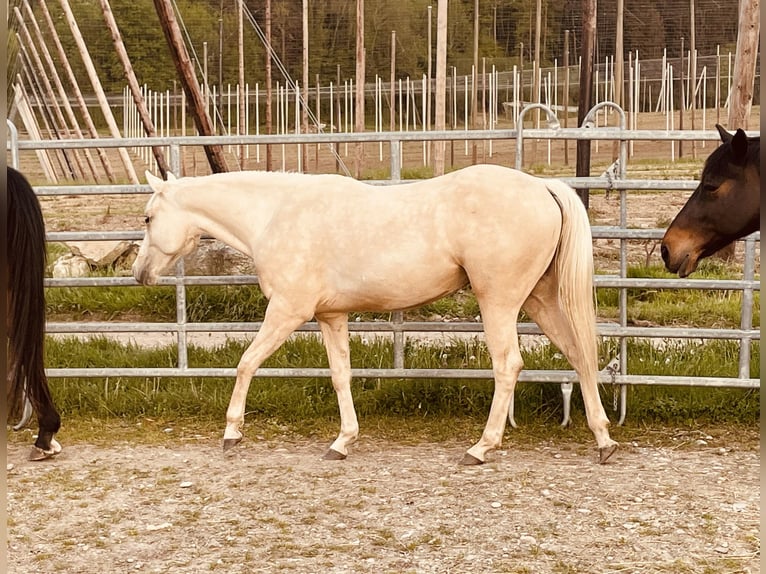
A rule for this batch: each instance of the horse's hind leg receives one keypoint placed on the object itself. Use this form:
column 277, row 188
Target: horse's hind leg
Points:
column 46, row 445
column 543, row 307
column 503, row 345
column 280, row 321
column 335, row 335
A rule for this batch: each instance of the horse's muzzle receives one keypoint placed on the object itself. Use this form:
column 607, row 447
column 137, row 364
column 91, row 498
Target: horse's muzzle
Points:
column 142, row 275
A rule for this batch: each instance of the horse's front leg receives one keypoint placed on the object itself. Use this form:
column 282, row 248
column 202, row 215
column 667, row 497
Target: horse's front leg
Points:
column 280, row 321
column 334, row 328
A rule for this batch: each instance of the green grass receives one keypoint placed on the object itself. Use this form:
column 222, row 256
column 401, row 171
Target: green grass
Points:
column 306, row 404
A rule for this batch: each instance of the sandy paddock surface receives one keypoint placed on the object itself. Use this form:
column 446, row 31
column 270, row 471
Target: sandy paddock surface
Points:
column 688, row 505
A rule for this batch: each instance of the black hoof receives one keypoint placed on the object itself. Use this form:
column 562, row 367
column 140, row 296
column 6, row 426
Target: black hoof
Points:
column 605, row 453
column 470, row 460
column 333, row 454
column 229, row 443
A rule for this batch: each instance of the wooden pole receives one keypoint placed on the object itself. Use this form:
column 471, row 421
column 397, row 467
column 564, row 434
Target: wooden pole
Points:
column 392, row 92
column 60, row 88
column 98, row 89
column 566, row 93
column 83, row 107
column 47, row 95
column 304, row 101
column 189, row 81
column 748, row 30
column 536, row 74
column 693, row 66
column 475, row 74
column 586, row 90
column 269, row 97
column 441, row 83
column 360, row 71
column 619, row 60
column 135, row 88
column 241, row 76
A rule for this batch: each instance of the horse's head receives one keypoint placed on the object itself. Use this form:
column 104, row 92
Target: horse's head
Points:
column 724, row 207
column 169, row 234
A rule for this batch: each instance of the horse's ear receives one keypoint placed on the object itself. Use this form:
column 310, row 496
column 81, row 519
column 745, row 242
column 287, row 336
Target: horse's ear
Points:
column 725, row 136
column 154, row 182
column 739, row 145
column 170, row 176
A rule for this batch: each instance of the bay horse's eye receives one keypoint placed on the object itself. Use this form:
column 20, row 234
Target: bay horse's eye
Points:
column 709, row 188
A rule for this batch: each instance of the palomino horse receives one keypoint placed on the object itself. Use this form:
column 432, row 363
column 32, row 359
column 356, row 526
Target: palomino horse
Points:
column 325, row 245
column 725, row 206
column 27, row 383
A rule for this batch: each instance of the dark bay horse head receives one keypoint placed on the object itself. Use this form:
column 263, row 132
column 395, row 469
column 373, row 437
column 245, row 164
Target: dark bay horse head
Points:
column 725, row 206
column 25, row 244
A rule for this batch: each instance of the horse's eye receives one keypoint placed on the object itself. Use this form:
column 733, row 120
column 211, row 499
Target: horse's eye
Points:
column 709, row 188
column 147, row 219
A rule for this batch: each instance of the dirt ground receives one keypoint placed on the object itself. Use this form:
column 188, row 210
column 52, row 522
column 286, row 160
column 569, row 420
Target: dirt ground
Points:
column 690, row 504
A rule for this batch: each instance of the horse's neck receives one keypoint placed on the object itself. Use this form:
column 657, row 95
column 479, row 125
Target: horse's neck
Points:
column 229, row 214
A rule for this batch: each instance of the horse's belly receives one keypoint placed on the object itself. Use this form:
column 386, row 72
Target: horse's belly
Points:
column 375, row 291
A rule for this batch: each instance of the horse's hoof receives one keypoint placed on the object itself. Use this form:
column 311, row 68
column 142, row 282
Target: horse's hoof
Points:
column 470, row 460
column 229, row 443
column 55, row 446
column 333, row 454
column 39, row 454
column 606, row 452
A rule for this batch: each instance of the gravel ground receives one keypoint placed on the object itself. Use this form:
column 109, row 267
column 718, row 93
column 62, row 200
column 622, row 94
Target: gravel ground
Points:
column 689, row 505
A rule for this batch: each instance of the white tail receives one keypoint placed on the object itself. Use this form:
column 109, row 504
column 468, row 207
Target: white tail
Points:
column 574, row 269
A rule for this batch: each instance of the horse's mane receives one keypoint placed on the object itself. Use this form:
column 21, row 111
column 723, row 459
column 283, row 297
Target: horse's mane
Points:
column 26, row 268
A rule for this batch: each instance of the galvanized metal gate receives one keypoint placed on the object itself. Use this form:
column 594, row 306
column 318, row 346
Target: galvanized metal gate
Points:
column 617, row 372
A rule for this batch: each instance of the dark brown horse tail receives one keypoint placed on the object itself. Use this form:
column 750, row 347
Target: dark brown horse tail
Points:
column 26, row 304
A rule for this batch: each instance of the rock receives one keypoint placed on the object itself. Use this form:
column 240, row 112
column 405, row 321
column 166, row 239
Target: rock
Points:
column 70, row 265
column 101, row 253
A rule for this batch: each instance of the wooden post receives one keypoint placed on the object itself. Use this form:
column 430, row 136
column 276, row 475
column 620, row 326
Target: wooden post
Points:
column 60, row 88
column 441, row 83
column 566, row 93
column 693, row 66
column 98, row 89
column 267, row 16
column 47, row 95
column 392, row 115
column 241, row 76
column 475, row 77
column 588, row 43
column 360, row 71
column 536, row 74
column 619, row 62
column 189, row 81
column 748, row 30
column 304, row 101
column 64, row 61
column 683, row 100
column 135, row 88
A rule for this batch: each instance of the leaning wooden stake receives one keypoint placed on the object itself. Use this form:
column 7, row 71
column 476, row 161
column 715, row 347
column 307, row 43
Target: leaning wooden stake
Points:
column 189, row 81
column 135, row 88
column 48, row 96
column 64, row 61
column 98, row 89
column 60, row 88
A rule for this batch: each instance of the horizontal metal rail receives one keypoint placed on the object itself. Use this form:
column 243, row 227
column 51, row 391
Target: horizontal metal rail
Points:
column 538, row 376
